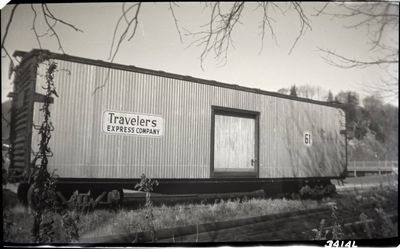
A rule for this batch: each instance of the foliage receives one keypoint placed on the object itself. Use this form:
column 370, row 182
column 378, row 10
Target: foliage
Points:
column 283, row 91
column 355, row 124
column 336, row 228
column 366, row 149
column 43, row 195
column 330, row 96
column 376, row 131
column 382, row 227
column 375, row 223
column 146, row 185
column 293, row 91
column 69, row 222
column 317, row 191
column 307, row 91
column 372, row 128
column 7, row 224
column 383, row 123
column 387, row 227
column 105, row 222
column 188, row 214
column 320, row 233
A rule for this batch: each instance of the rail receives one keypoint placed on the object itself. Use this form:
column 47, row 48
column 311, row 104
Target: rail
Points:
column 379, row 167
column 185, row 233
column 285, row 226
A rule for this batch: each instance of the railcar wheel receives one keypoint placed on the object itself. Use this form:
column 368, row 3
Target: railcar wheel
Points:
column 115, row 197
column 329, row 189
column 121, row 196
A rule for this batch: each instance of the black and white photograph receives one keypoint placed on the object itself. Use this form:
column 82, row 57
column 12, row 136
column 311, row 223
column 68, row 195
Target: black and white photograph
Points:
column 169, row 124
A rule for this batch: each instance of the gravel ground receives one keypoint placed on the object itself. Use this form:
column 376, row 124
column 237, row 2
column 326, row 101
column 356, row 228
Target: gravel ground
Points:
column 366, row 181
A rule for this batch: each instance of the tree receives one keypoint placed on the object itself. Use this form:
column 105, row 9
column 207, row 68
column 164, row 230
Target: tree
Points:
column 215, row 36
column 391, row 131
column 305, row 91
column 382, row 22
column 330, row 96
column 366, row 149
column 293, row 91
column 356, row 122
column 383, row 123
column 310, row 92
column 348, row 97
column 283, row 91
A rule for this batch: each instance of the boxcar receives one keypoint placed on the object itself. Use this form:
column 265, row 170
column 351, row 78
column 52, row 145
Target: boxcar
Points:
column 113, row 123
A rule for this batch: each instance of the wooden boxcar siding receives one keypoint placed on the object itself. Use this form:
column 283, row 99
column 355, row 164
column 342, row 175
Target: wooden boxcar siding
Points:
column 21, row 117
column 81, row 149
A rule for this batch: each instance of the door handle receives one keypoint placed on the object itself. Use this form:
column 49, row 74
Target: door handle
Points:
column 253, row 162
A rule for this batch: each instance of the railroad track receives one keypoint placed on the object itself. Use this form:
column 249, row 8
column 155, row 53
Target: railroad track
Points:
column 282, row 226
column 132, row 200
column 138, row 199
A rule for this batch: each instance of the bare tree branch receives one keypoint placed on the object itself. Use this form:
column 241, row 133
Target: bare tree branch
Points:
column 218, row 35
column 6, row 32
column 376, row 16
column 319, row 12
column 34, row 26
column 266, row 20
column 380, row 19
column 345, row 62
column 54, row 33
column 304, row 23
column 48, row 15
column 175, row 21
column 124, row 12
column 130, row 23
column 134, row 20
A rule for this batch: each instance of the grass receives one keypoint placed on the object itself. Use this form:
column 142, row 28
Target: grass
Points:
column 22, row 221
column 131, row 221
column 105, row 222
column 381, row 197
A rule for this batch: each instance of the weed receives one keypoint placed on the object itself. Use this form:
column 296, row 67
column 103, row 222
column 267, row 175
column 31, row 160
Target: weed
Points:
column 337, row 233
column 334, row 233
column 7, row 224
column 367, row 230
column 69, row 223
column 385, row 225
column 146, row 185
column 319, row 233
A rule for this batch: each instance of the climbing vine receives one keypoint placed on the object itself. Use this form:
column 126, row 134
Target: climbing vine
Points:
column 42, row 194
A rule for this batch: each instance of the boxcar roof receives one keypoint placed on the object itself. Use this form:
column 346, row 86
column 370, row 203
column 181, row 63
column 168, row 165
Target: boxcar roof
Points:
column 66, row 57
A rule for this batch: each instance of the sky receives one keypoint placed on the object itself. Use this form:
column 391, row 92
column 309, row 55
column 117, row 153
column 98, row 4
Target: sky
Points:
column 157, row 46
